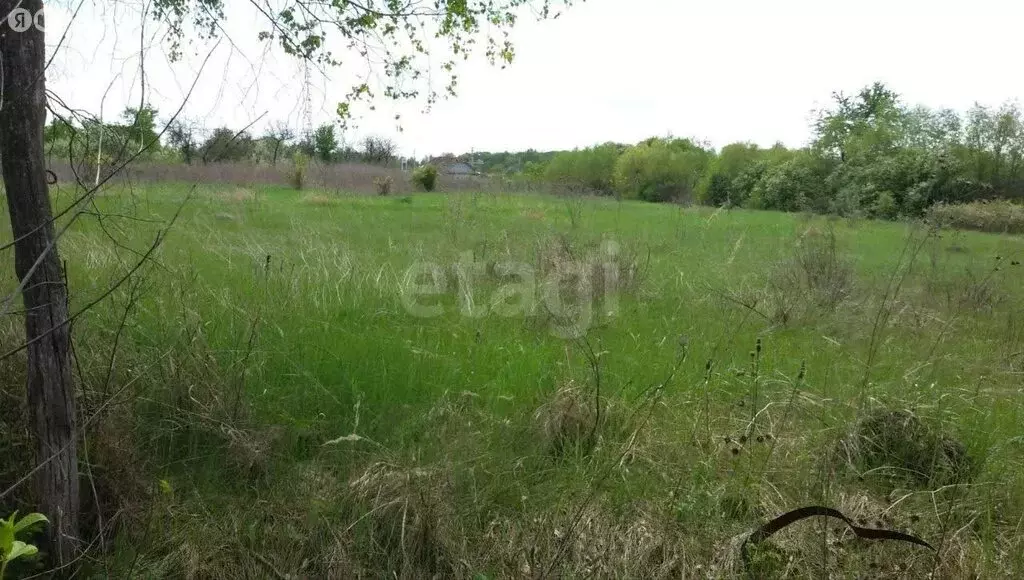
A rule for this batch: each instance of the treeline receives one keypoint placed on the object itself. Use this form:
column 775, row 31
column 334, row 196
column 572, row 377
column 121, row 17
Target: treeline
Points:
column 528, row 162
column 138, row 134
column 871, row 154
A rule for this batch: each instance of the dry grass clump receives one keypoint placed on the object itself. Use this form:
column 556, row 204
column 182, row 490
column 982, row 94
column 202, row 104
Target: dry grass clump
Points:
column 319, row 199
column 901, row 448
column 250, row 449
column 976, row 287
column 290, row 529
column 237, row 194
column 118, row 482
column 815, row 276
column 592, row 272
column 225, row 217
column 316, row 483
column 996, row 216
column 567, row 422
column 643, row 545
column 818, row 268
column 201, row 409
column 407, row 517
column 596, row 543
column 533, row 214
column 955, row 285
column 383, row 184
column 973, row 291
column 579, row 284
column 202, row 538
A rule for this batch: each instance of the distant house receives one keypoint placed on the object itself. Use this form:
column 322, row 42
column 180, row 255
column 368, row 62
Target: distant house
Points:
column 458, row 168
column 455, row 165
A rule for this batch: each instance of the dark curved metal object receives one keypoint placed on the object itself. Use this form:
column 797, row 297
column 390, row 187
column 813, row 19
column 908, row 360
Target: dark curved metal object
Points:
column 811, row 511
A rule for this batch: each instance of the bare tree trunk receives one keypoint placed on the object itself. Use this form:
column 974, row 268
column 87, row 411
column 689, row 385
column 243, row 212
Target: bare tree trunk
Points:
column 51, row 393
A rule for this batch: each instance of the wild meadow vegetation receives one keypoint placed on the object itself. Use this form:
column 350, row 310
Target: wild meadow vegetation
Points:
column 275, row 393
column 258, row 372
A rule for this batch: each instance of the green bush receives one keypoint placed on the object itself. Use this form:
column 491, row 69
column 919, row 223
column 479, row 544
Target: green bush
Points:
column 299, row 164
column 795, row 185
column 533, row 171
column 885, row 206
column 732, row 174
column 718, row 190
column 742, row 187
column 227, row 145
column 425, row 177
column 905, row 182
column 731, row 161
column 660, row 170
column 590, row 169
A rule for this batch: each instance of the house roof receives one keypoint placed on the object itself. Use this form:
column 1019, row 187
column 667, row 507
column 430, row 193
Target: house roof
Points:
column 459, row 167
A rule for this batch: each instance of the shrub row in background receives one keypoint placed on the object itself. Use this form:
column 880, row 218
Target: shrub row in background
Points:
column 872, row 155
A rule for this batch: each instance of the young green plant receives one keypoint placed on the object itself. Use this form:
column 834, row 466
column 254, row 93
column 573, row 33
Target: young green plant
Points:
column 11, row 548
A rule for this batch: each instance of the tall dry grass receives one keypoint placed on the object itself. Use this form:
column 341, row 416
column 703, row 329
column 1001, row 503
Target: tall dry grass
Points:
column 996, row 216
column 348, row 177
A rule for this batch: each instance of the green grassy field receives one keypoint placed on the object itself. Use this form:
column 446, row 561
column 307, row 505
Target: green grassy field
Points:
column 274, row 406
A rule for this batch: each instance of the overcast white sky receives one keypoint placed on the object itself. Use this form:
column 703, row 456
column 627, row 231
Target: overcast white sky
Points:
column 608, row 70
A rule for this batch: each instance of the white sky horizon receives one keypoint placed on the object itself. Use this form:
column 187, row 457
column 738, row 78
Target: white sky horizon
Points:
column 607, row 70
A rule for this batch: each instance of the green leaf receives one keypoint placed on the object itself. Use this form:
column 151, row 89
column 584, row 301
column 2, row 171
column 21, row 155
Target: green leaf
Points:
column 21, row 549
column 29, row 520
column 6, row 537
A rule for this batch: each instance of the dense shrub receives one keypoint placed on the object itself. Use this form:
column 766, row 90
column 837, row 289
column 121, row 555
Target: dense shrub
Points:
column 226, row 145
column 589, row 169
column 299, row 164
column 718, row 190
column 906, row 182
column 533, row 171
column 733, row 173
column 795, row 185
column 742, row 187
column 324, row 143
column 734, row 158
column 998, row 216
column 660, row 170
column 425, row 177
column 379, row 150
column 731, row 161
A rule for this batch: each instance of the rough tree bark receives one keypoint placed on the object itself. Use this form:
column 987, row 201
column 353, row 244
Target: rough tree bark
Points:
column 51, row 395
